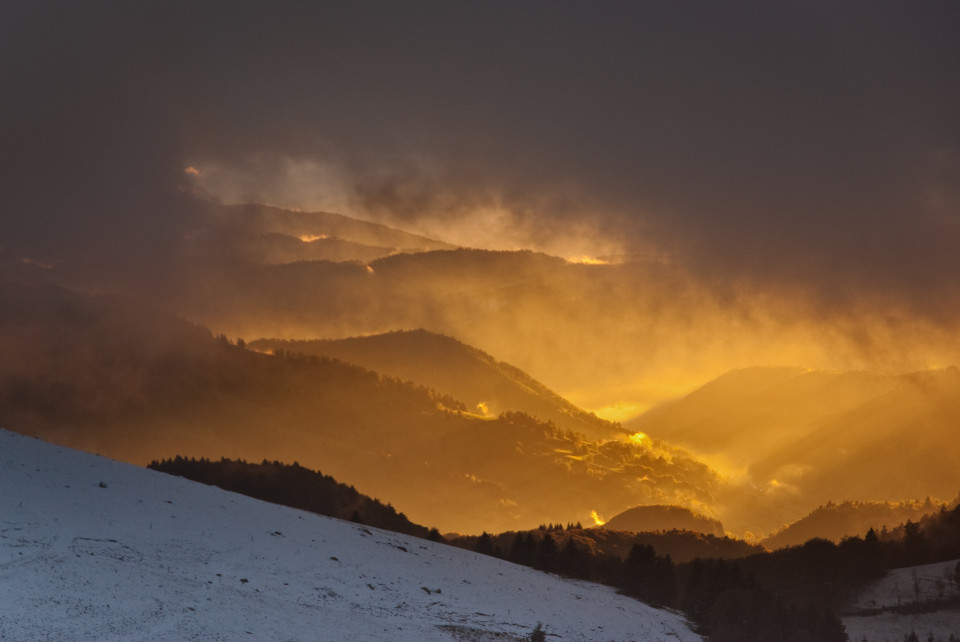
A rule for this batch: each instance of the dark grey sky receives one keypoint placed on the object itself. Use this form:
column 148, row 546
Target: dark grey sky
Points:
column 815, row 145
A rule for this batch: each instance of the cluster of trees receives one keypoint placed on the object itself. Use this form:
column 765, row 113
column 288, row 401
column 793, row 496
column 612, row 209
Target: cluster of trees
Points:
column 295, row 486
column 789, row 594
column 726, row 604
column 680, row 545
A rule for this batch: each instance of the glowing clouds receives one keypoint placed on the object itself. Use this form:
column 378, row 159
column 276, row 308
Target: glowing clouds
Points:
column 597, row 518
column 310, row 238
column 277, row 180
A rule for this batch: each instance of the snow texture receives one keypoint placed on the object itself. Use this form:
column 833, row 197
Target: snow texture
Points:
column 93, row 549
column 902, row 587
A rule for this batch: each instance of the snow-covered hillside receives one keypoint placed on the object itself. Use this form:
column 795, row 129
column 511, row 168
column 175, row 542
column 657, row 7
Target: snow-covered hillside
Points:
column 92, row 549
column 930, row 583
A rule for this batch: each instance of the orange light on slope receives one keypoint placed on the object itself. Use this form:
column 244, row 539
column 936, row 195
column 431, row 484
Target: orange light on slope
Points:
column 310, row 238
column 597, row 520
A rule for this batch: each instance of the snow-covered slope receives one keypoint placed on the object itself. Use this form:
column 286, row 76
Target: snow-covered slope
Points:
column 95, row 549
column 930, row 584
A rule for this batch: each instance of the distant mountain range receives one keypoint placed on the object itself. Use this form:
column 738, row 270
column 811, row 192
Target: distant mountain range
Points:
column 254, row 271
column 468, row 434
column 802, row 437
column 110, row 376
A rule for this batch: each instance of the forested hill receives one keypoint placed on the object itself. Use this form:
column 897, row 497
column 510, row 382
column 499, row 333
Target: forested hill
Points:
column 295, row 486
column 834, row 521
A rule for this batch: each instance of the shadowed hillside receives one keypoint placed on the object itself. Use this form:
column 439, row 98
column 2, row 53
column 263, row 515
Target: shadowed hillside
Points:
column 847, row 519
column 486, row 385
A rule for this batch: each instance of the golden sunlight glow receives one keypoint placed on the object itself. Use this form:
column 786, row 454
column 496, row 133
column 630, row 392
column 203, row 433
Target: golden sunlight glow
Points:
column 597, row 519
column 483, row 408
column 621, row 411
column 310, row 238
column 587, row 260
column 193, row 171
column 640, row 439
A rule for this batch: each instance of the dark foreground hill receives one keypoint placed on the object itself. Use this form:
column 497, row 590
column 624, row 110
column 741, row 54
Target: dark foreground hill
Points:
column 294, row 486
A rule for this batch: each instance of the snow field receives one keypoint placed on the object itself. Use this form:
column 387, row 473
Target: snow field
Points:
column 903, row 586
column 93, row 549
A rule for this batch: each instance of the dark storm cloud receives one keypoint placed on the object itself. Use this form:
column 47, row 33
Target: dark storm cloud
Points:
column 781, row 143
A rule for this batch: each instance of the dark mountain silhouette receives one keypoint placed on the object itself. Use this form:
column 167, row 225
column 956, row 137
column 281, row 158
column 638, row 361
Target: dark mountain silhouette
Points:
column 486, row 385
column 663, row 518
column 350, row 238
column 847, row 519
column 109, row 376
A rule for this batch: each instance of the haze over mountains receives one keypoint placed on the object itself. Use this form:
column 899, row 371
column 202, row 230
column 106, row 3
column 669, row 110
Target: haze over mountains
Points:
column 763, row 454
column 615, row 339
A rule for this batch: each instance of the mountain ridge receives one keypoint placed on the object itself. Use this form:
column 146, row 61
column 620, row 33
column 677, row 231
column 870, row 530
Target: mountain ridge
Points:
column 452, row 367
